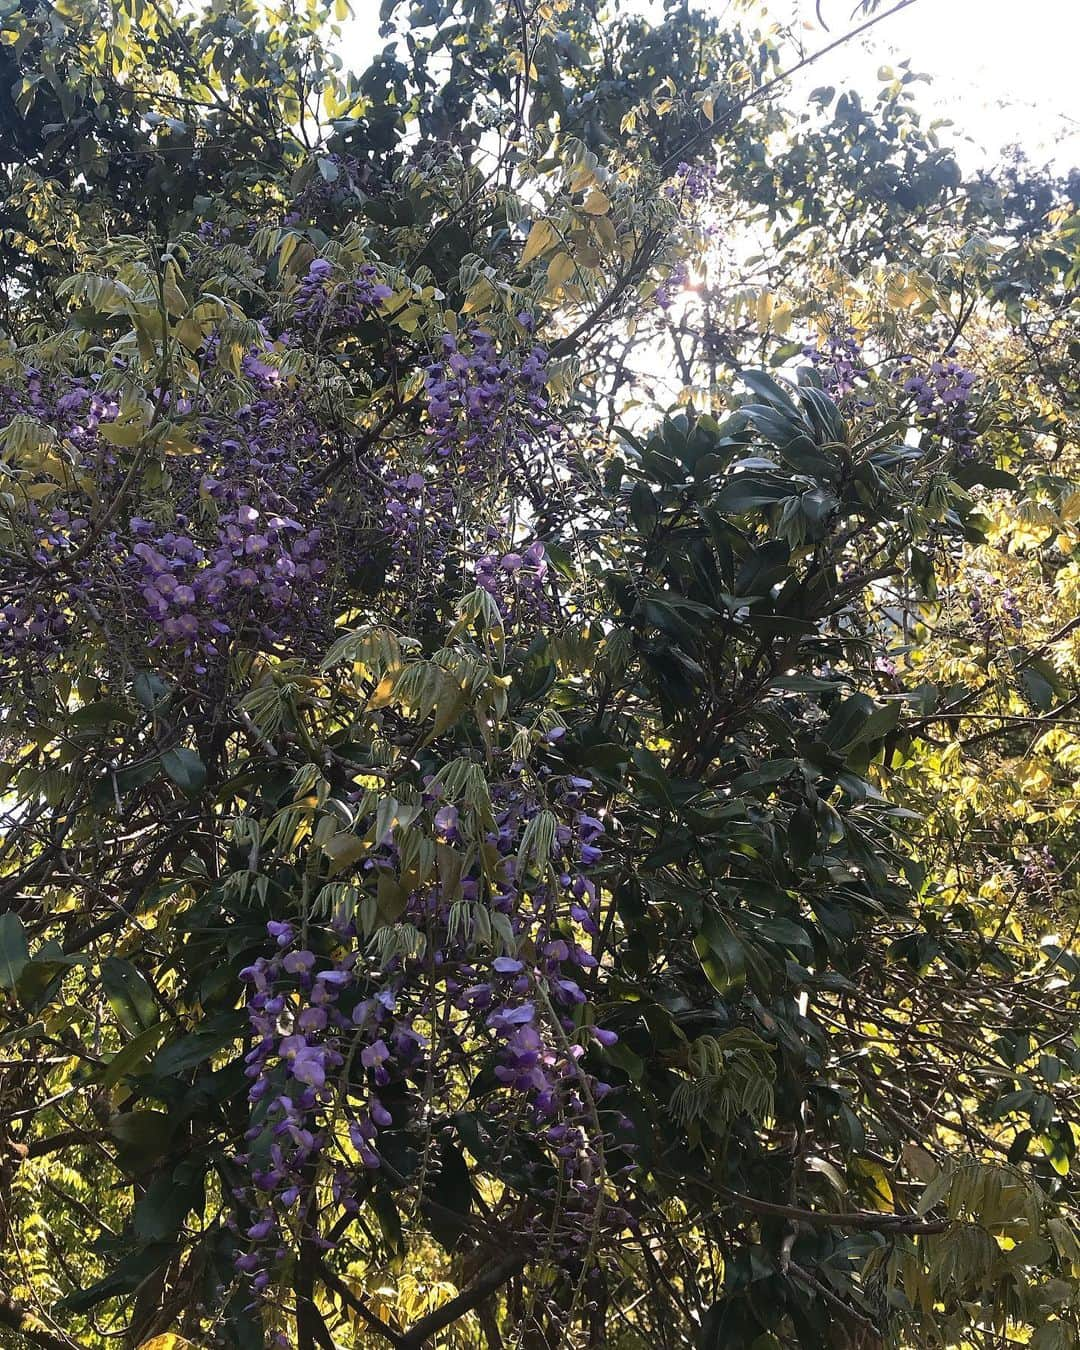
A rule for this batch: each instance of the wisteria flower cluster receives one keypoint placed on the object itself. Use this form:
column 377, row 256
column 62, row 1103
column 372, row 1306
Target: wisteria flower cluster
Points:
column 324, row 305
column 839, row 361
column 518, row 583
column 243, row 551
column 991, row 595
column 226, row 553
column 671, row 285
column 35, row 617
column 484, row 406
column 337, row 1058
column 693, row 182
column 943, row 401
column 339, row 178
column 246, row 542
column 1041, row 874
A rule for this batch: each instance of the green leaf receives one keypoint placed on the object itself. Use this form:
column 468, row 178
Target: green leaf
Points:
column 118, row 783
column 129, row 995
column 97, row 716
column 452, row 1190
column 185, row 768
column 41, row 976
column 804, row 684
column 986, row 475
column 846, row 724
column 786, row 933
column 14, row 951
column 795, row 446
column 150, row 690
column 749, row 491
column 392, row 896
column 766, row 567
column 721, row 953
column 802, row 834
column 159, row 1214
column 824, row 414
column 624, row 1058
column 1038, row 686
column 190, row 1051
column 767, row 389
column 881, row 721
column 125, row 1279
column 143, row 1136
column 877, row 1187
column 644, row 509
column 343, row 849
column 134, row 1055
column 389, row 1217
column 922, row 570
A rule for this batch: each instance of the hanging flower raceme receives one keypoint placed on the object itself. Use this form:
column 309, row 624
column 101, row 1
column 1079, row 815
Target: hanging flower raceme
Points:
column 670, row 287
column 518, row 583
column 691, row 182
column 244, row 541
column 943, row 402
column 237, row 542
column 325, row 305
column 839, row 361
column 338, row 181
column 236, row 557
column 336, row 1057
column 49, row 567
column 483, row 406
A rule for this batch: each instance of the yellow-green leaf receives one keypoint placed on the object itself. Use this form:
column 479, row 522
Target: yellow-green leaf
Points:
column 880, row 1188
column 343, row 850
column 560, row 269
column 541, row 237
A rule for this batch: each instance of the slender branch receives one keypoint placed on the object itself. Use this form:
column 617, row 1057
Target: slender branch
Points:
column 19, row 1320
column 860, row 1219
column 465, row 1302
column 706, row 132
column 834, row 1300
column 38, row 1148
column 310, row 1327
column 339, row 1287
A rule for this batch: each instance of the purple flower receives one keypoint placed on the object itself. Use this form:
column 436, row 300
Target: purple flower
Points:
column 512, row 1017
column 374, row 1055
column 507, row 965
column 334, row 977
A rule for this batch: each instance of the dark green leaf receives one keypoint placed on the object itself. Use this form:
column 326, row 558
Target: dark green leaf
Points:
column 722, row 954
column 185, row 768
column 129, row 995
column 14, row 951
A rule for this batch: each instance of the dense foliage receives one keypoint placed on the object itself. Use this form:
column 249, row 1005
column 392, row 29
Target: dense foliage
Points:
column 538, row 629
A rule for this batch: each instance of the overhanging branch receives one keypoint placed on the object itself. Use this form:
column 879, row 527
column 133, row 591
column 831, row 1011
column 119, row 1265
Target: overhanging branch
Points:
column 464, row 1303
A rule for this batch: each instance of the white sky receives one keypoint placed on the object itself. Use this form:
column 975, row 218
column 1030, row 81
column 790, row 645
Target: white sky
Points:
column 1003, row 70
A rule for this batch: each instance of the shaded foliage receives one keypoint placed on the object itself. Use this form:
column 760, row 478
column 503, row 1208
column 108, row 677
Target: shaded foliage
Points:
column 538, row 653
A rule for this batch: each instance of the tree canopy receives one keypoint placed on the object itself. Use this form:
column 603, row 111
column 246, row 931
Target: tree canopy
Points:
column 540, row 657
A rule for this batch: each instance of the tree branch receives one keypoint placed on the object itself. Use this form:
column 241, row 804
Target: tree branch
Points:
column 39, row 1148
column 860, row 1219
column 339, row 1287
column 465, row 1302
column 20, row 1320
